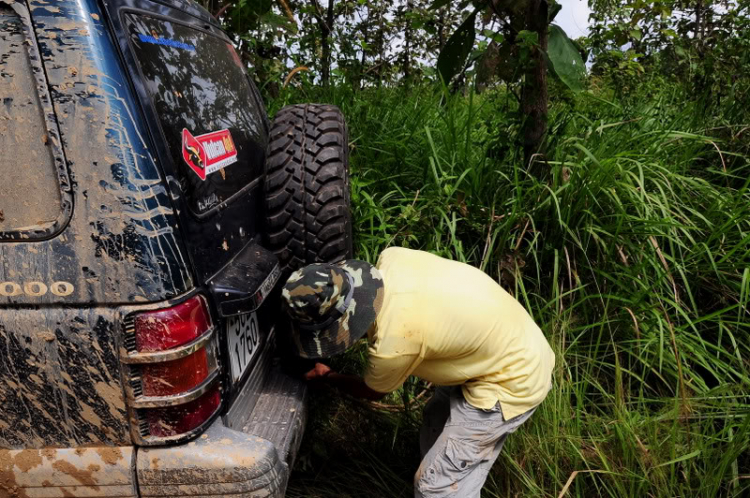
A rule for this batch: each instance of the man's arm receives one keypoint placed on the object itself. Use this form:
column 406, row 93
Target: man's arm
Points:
column 349, row 384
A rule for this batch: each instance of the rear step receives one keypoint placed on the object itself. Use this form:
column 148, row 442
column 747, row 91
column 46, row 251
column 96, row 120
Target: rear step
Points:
column 271, row 405
column 280, row 414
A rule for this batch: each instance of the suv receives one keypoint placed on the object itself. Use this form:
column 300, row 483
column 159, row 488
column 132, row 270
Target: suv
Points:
column 149, row 213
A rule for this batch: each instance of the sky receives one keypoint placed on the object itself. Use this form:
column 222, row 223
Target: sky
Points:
column 574, row 17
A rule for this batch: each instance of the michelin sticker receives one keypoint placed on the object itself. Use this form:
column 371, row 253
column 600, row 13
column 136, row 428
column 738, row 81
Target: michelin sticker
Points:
column 208, row 153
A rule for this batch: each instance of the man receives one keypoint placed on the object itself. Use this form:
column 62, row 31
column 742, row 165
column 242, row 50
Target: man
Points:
column 444, row 321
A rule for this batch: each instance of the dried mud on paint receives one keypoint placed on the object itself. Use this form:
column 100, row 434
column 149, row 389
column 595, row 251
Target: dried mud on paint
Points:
column 93, row 470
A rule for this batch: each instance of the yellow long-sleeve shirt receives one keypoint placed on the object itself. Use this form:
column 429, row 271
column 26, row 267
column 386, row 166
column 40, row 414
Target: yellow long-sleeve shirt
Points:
column 451, row 324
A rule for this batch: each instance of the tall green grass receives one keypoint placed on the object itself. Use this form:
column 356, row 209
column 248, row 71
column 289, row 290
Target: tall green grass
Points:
column 630, row 246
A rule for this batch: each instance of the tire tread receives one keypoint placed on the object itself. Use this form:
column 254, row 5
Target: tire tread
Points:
column 306, row 187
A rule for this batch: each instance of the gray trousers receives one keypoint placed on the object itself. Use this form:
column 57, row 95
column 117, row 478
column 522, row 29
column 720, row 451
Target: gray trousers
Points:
column 459, row 444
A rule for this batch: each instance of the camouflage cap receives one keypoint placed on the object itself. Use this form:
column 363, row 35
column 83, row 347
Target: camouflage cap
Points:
column 332, row 305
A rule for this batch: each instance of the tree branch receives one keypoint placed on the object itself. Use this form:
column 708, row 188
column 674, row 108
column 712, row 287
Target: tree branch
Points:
column 319, row 16
column 222, row 10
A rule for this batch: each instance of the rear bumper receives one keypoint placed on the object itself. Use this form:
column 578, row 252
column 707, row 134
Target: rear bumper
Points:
column 246, row 454
column 219, row 463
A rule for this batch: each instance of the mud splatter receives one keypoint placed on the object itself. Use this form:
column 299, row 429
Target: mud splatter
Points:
column 27, row 460
column 110, row 456
column 85, row 477
column 47, row 336
column 112, row 395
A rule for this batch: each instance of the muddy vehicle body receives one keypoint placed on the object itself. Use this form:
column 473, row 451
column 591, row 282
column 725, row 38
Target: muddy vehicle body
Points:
column 149, row 212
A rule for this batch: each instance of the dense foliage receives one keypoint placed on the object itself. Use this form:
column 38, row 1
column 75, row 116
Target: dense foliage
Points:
column 627, row 234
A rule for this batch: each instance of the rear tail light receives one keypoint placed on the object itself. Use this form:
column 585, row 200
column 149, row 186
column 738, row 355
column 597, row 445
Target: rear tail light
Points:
column 174, row 373
column 176, row 376
column 169, row 328
column 167, row 422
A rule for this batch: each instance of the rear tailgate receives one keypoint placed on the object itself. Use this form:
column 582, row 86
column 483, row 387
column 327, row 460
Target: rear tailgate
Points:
column 210, row 130
column 208, row 122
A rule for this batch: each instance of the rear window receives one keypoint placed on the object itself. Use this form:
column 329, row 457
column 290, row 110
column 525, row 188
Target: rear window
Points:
column 210, row 119
column 32, row 204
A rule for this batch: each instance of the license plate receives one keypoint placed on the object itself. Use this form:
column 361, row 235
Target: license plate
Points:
column 243, row 338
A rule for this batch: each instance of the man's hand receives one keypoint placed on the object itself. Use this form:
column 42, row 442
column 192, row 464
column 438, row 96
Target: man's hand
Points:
column 349, row 384
column 318, row 372
column 354, row 386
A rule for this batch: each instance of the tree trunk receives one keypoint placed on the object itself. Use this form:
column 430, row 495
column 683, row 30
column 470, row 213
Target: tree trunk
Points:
column 326, row 27
column 326, row 58
column 381, row 47
column 700, row 26
column 441, row 26
column 407, row 42
column 534, row 94
column 363, row 60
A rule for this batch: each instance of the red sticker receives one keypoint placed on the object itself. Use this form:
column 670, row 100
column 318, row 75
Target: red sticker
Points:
column 208, row 153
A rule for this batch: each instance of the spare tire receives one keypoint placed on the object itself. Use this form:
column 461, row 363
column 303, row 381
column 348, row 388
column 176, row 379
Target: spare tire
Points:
column 306, row 187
